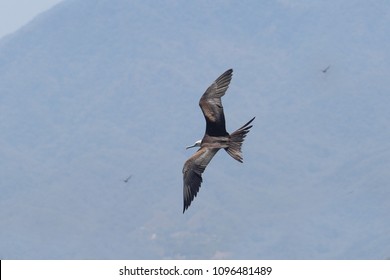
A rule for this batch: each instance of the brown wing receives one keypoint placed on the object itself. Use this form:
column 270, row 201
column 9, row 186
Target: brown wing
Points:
column 211, row 105
column 192, row 173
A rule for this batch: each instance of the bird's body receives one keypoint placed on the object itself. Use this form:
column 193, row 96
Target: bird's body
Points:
column 216, row 137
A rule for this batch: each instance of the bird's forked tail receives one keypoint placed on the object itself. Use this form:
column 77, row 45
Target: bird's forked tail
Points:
column 236, row 140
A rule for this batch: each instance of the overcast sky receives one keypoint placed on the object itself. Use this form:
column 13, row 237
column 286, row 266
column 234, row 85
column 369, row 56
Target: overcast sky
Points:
column 16, row 13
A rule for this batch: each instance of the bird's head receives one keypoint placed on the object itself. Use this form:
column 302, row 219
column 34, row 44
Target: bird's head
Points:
column 196, row 144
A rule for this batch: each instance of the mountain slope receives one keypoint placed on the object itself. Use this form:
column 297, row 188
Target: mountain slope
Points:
column 93, row 91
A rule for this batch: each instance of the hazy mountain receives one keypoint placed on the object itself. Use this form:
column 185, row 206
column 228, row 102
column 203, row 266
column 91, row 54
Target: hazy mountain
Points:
column 93, row 91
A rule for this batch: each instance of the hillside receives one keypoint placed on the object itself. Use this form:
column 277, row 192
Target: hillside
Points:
column 93, row 91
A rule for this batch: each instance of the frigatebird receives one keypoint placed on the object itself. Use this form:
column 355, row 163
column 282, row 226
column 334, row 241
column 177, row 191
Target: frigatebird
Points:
column 326, row 69
column 127, row 179
column 215, row 138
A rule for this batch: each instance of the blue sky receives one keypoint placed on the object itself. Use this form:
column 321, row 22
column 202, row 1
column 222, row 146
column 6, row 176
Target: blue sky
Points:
column 16, row 13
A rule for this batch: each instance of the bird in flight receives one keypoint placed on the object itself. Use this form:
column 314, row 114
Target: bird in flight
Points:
column 127, row 179
column 326, row 69
column 215, row 138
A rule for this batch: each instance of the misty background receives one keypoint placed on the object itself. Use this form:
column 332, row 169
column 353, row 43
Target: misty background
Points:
column 92, row 92
column 16, row 13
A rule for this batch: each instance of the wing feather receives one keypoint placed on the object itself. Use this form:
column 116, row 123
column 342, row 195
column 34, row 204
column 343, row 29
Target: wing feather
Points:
column 211, row 104
column 192, row 173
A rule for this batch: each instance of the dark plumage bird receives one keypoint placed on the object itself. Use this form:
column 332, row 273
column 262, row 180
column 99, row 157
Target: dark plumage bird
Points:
column 127, row 179
column 326, row 69
column 215, row 138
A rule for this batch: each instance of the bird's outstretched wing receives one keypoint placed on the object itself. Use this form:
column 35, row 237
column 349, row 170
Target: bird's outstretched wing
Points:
column 192, row 173
column 211, row 105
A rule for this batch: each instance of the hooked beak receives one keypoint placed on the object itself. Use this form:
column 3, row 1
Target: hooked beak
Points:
column 189, row 147
column 196, row 144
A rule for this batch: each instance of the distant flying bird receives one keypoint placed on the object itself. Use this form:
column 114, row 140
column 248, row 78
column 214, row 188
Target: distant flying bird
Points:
column 127, row 179
column 216, row 137
column 326, row 69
